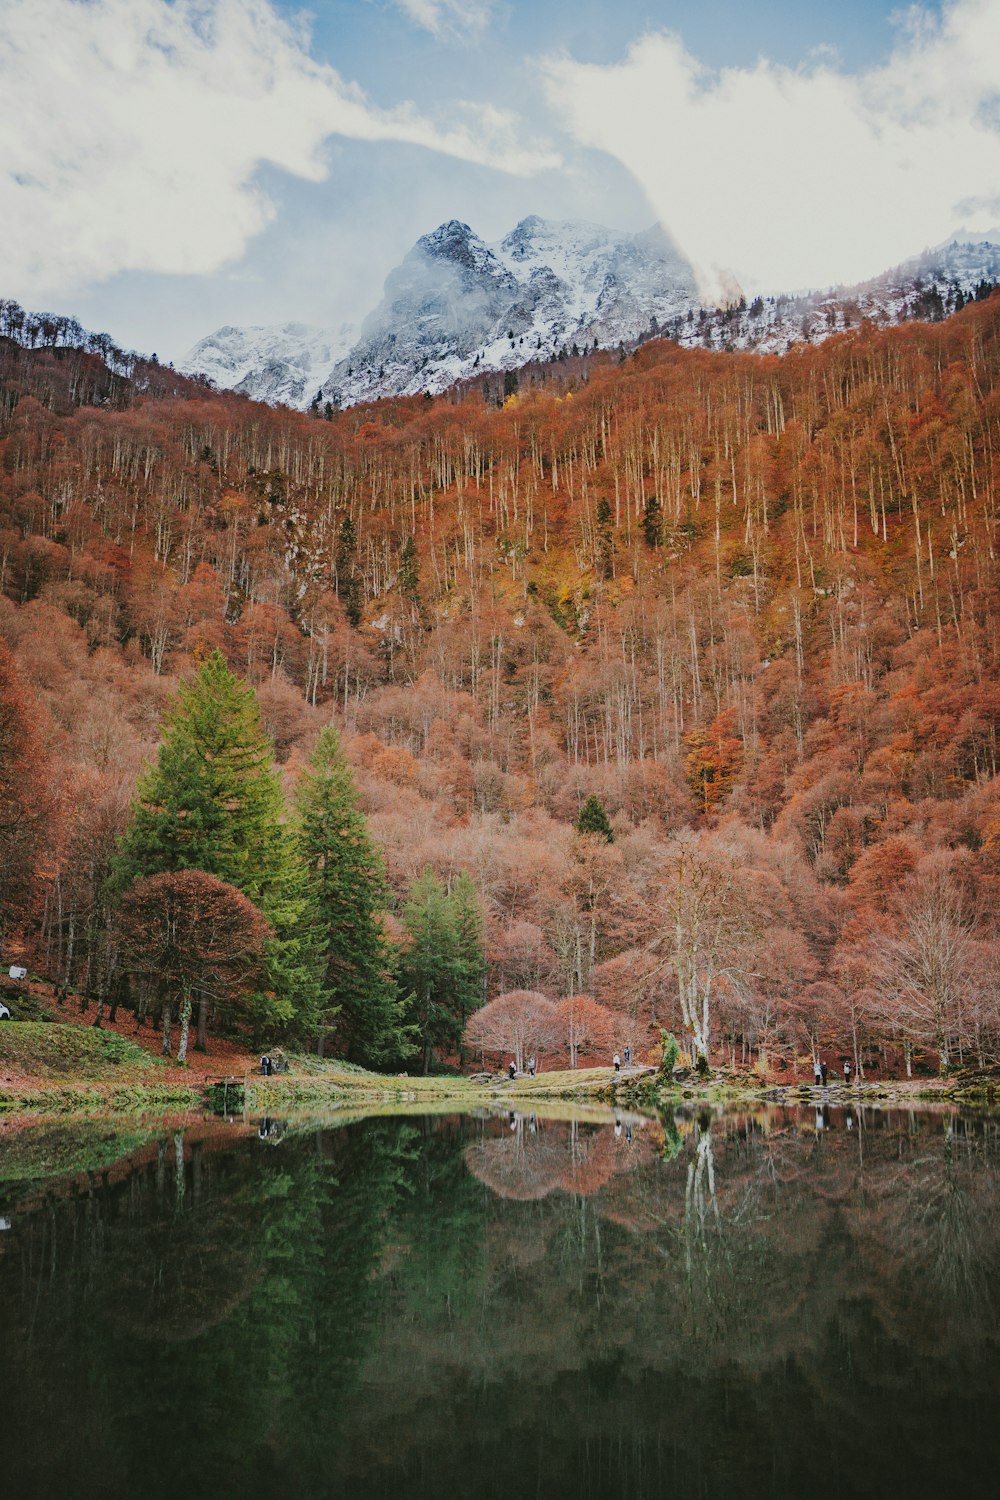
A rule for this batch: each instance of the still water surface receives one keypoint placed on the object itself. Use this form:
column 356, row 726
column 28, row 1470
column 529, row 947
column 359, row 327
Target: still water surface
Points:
column 715, row 1305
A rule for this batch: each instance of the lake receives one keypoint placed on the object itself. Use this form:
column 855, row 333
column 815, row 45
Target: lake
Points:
column 769, row 1303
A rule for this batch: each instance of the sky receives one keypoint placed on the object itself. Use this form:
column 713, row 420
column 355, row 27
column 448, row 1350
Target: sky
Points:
column 169, row 166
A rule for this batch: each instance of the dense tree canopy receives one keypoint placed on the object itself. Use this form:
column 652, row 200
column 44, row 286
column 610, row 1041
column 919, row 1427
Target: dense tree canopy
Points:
column 26, row 806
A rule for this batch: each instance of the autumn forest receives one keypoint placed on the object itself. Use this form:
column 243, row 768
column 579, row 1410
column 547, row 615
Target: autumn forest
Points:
column 653, row 692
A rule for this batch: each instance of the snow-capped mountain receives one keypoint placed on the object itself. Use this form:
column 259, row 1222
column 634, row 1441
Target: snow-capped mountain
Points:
column 457, row 306
column 287, row 364
column 929, row 286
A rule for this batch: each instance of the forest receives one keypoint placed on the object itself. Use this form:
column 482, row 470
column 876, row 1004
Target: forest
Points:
column 653, row 692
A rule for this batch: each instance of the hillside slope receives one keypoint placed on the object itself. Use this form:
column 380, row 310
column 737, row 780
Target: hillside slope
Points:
column 750, row 603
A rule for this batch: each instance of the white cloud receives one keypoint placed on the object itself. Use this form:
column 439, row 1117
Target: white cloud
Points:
column 803, row 178
column 131, row 133
column 441, row 17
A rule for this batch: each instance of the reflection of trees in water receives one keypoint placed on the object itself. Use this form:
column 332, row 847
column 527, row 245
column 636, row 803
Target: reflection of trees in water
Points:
column 935, row 1211
column 735, row 1277
column 527, row 1158
column 520, row 1163
column 502, row 1292
column 240, row 1284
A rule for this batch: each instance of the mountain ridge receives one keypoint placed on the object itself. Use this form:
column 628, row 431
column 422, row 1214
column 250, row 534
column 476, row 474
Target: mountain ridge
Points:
column 457, row 306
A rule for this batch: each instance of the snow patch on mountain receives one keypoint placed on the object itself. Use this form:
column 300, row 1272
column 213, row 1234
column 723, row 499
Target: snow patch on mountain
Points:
column 456, row 306
column 285, row 364
column 929, row 286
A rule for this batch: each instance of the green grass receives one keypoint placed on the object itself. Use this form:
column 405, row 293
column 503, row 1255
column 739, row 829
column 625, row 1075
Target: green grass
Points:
column 101, row 1099
column 25, row 1006
column 48, row 1050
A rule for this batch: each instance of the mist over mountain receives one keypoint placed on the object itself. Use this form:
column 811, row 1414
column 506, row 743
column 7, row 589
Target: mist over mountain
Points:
column 456, row 305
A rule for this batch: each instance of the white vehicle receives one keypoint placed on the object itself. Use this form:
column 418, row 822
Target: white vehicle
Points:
column 17, row 972
column 4, row 1012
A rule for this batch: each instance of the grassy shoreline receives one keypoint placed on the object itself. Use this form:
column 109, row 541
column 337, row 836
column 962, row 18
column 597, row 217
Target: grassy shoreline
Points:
column 337, row 1087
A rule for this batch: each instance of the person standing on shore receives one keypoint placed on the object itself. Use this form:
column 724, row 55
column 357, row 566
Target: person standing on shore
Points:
column 618, row 1063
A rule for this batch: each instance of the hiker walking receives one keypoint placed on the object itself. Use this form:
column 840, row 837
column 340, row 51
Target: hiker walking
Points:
column 511, row 1070
column 823, row 1072
column 531, row 1067
column 847, row 1075
column 817, row 1072
column 618, row 1063
column 628, row 1055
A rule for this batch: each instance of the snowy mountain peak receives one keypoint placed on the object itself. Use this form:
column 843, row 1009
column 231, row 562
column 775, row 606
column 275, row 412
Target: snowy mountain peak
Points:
column 455, row 242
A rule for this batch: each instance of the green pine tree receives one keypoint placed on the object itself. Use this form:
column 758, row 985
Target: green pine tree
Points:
column 213, row 802
column 652, row 522
column 605, row 539
column 594, row 820
column 471, row 944
column 441, row 965
column 347, row 874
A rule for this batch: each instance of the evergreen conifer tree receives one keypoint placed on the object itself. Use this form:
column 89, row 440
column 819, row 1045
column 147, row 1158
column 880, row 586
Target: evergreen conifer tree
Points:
column 470, row 940
column 443, row 962
column 594, row 820
column 652, row 522
column 213, row 802
column 347, row 875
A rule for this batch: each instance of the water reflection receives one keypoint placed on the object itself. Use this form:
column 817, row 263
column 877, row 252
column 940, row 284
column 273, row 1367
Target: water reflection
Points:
column 532, row 1158
column 768, row 1303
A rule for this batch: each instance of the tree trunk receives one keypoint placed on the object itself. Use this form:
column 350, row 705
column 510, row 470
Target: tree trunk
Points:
column 166, row 1028
column 200, row 1042
column 182, row 1045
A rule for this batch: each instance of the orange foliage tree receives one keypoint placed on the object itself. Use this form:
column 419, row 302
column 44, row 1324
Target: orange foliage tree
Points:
column 192, row 937
column 515, row 1024
column 579, row 1022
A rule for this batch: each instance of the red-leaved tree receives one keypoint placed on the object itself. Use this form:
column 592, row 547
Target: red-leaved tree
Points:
column 26, row 805
column 517, row 1023
column 192, row 937
column 580, row 1022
